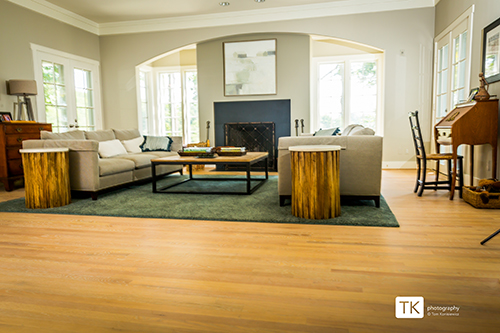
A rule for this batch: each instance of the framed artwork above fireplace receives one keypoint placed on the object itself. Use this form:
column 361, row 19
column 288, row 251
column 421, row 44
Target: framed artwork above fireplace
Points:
column 250, row 68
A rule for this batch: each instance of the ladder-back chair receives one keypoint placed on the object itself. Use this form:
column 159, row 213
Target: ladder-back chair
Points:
column 422, row 158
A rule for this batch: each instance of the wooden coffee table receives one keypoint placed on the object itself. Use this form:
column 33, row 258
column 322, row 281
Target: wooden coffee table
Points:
column 246, row 160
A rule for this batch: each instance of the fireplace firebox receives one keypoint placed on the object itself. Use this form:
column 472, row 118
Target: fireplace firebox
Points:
column 254, row 136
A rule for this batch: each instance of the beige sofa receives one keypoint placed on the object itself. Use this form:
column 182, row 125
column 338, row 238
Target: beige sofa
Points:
column 360, row 164
column 92, row 174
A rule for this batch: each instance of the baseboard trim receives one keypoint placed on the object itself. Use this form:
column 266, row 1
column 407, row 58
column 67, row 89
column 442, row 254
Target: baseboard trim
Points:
column 399, row 165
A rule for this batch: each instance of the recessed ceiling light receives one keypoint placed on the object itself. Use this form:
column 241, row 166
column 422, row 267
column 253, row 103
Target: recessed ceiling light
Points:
column 260, row 0
column 224, row 4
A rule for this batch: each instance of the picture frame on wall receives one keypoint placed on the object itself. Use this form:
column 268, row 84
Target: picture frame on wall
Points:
column 491, row 52
column 250, row 67
column 5, row 116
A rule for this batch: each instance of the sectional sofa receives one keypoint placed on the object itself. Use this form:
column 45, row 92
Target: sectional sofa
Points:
column 94, row 170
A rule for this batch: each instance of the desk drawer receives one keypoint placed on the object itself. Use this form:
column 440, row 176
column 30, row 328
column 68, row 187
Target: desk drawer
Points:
column 15, row 167
column 20, row 129
column 13, row 140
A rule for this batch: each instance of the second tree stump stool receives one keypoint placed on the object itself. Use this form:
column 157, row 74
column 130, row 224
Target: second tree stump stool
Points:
column 315, row 181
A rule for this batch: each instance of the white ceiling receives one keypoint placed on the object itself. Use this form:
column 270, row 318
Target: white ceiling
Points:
column 107, row 17
column 105, row 11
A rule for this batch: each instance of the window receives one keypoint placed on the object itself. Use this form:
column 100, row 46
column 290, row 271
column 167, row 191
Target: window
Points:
column 68, row 90
column 452, row 65
column 176, row 109
column 348, row 91
column 144, row 100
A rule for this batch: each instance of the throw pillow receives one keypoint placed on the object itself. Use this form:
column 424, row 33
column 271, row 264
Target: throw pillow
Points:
column 347, row 131
column 111, row 148
column 133, row 145
column 362, row 131
column 327, row 132
column 156, row 143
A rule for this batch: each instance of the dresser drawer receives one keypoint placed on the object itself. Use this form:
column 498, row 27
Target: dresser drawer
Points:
column 13, row 153
column 15, row 167
column 27, row 129
column 13, row 140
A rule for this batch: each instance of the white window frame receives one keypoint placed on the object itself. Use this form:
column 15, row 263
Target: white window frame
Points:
column 156, row 118
column 347, row 59
column 70, row 61
column 152, row 121
column 463, row 23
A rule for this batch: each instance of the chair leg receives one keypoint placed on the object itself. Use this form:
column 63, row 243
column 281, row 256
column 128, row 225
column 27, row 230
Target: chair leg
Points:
column 424, row 172
column 460, row 175
column 438, row 162
column 418, row 175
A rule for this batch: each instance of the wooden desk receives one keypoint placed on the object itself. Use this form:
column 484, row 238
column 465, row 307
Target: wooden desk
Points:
column 315, row 181
column 472, row 124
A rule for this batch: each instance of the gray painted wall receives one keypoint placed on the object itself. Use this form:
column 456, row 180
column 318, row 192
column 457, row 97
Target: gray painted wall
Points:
column 293, row 75
column 20, row 27
column 486, row 11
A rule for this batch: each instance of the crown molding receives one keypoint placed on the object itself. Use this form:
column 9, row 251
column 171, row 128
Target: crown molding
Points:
column 335, row 8
column 46, row 8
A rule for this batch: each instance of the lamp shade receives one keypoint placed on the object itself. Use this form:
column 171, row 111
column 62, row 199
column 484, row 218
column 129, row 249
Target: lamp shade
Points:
column 21, row 87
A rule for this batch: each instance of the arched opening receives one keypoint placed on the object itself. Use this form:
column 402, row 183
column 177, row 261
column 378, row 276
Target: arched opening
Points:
column 354, row 75
column 346, row 84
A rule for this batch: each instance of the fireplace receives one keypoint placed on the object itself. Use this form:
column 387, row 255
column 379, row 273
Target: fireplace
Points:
column 255, row 136
column 253, row 112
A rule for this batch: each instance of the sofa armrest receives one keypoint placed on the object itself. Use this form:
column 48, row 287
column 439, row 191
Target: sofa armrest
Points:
column 83, row 161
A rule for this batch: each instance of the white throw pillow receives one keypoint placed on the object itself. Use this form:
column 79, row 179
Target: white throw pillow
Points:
column 132, row 146
column 111, row 148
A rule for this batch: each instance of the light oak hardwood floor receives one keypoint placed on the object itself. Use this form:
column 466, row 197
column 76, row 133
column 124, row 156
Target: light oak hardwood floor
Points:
column 101, row 274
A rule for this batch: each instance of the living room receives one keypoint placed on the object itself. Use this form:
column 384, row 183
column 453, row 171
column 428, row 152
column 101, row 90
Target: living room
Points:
column 260, row 276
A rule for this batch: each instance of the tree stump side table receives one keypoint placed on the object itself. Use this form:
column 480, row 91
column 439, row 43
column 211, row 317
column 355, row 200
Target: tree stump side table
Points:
column 46, row 177
column 315, row 181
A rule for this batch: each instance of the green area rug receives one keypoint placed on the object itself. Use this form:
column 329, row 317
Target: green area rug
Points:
column 261, row 206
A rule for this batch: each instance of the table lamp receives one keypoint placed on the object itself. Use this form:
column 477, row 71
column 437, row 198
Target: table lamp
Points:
column 23, row 88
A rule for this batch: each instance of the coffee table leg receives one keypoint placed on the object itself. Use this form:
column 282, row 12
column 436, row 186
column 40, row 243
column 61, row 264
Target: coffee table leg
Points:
column 267, row 173
column 248, row 178
column 153, row 174
column 190, row 171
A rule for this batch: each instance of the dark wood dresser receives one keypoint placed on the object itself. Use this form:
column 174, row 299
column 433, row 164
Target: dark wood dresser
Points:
column 12, row 134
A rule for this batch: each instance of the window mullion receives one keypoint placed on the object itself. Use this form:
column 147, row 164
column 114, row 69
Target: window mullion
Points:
column 347, row 94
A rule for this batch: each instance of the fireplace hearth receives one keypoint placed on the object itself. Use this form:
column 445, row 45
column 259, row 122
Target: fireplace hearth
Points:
column 254, row 136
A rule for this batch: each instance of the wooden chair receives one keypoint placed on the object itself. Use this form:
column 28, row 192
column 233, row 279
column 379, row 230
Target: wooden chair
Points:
column 422, row 159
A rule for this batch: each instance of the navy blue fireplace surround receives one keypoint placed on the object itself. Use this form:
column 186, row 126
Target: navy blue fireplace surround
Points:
column 277, row 111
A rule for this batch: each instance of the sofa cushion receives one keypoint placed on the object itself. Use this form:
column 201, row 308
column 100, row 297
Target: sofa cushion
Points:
column 162, row 153
column 71, row 135
column 111, row 166
column 140, row 160
column 327, row 132
column 100, row 135
column 133, row 145
column 156, row 143
column 111, row 148
column 127, row 134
